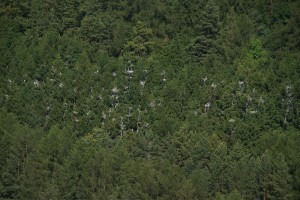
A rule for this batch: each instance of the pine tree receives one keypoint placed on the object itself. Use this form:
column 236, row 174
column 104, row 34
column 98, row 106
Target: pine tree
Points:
column 97, row 29
column 70, row 14
column 41, row 174
column 42, row 16
column 206, row 31
column 141, row 45
column 230, row 37
column 274, row 178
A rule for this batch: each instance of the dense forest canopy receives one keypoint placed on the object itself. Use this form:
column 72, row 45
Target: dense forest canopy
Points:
column 150, row 99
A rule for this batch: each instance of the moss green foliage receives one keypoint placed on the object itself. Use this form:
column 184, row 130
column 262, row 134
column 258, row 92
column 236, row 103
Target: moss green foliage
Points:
column 156, row 99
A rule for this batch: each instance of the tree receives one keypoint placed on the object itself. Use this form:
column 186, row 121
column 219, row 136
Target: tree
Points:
column 42, row 16
column 20, row 143
column 118, row 39
column 233, row 195
column 70, row 14
column 273, row 176
column 206, row 31
column 242, row 172
column 230, row 37
column 96, row 29
column 41, row 174
column 141, row 45
column 201, row 179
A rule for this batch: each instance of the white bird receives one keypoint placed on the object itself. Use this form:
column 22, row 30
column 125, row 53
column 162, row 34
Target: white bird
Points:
column 129, row 71
column 115, row 90
column 261, row 100
column 231, row 120
column 142, row 83
column 241, row 83
column 206, row 107
column 36, row 83
column 152, row 104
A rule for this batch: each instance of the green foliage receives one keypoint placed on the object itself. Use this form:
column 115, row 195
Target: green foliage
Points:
column 273, row 178
column 141, row 45
column 154, row 99
column 234, row 195
column 206, row 31
column 97, row 29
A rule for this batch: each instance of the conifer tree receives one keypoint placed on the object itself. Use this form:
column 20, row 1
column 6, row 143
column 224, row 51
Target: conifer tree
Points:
column 70, row 14
column 206, row 31
column 274, row 179
column 141, row 45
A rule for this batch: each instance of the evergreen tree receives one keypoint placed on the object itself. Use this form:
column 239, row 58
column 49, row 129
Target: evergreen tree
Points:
column 274, row 180
column 70, row 14
column 141, row 45
column 190, row 99
column 206, row 31
column 42, row 16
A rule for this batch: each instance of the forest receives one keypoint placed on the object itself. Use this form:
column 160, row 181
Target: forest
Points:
column 150, row 99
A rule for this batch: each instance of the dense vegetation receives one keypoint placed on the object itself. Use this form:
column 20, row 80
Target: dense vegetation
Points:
column 150, row 99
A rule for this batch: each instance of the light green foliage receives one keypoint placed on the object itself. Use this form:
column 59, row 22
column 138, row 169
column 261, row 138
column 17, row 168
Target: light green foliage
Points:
column 141, row 45
column 234, row 195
